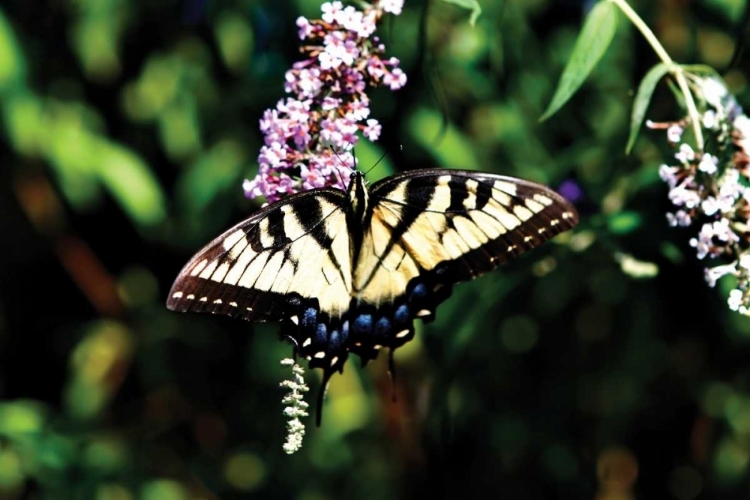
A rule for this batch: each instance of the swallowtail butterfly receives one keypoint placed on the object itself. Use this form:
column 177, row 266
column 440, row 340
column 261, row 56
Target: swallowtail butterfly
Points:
column 349, row 271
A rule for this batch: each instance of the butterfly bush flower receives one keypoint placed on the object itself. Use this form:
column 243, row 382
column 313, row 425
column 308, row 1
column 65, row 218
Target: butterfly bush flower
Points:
column 296, row 407
column 711, row 189
column 329, row 106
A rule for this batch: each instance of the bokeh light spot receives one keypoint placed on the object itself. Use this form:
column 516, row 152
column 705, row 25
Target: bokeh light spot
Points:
column 244, row 471
column 560, row 462
column 11, row 470
column 715, row 398
column 111, row 491
column 519, row 334
column 21, row 417
column 235, row 37
column 164, row 489
column 617, row 470
column 685, row 483
column 731, row 461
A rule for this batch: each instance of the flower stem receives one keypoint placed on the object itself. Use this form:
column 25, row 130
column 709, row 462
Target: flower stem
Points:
column 675, row 69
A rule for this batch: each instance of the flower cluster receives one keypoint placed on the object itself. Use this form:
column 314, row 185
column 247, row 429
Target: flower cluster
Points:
column 330, row 104
column 712, row 188
column 295, row 406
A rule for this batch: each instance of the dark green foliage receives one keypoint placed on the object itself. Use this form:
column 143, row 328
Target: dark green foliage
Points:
column 127, row 129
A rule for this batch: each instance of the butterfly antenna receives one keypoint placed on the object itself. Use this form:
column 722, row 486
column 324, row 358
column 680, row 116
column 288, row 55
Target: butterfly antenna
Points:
column 343, row 165
column 376, row 163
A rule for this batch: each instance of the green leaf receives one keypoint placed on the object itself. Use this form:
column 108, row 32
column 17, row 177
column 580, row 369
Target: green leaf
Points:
column 22, row 417
column 624, row 222
column 472, row 5
column 701, row 70
column 132, row 184
column 449, row 147
column 672, row 252
column 235, row 39
column 215, row 173
column 596, row 35
column 642, row 99
column 12, row 63
column 23, row 117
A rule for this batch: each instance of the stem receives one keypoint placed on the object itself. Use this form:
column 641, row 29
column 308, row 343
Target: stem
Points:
column 675, row 69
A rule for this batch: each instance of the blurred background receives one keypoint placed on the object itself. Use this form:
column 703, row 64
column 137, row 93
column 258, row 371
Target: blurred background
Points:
column 127, row 129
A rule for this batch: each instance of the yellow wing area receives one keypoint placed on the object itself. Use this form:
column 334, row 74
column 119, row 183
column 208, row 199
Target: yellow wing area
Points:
column 299, row 245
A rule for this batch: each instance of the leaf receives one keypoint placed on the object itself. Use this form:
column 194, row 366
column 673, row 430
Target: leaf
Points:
column 596, row 35
column 12, row 63
column 451, row 149
column 643, row 98
column 701, row 70
column 215, row 173
column 472, row 5
column 132, row 184
column 672, row 252
column 624, row 222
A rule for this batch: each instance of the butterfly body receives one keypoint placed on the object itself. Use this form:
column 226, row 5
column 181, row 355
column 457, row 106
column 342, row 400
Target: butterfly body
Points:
column 348, row 272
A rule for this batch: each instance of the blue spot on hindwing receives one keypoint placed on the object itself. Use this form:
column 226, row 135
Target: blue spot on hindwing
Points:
column 383, row 329
column 309, row 318
column 334, row 340
column 419, row 293
column 321, row 334
column 401, row 316
column 345, row 330
column 362, row 324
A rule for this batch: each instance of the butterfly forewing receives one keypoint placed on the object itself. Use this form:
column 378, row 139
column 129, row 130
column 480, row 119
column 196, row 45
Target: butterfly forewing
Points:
column 459, row 223
column 296, row 247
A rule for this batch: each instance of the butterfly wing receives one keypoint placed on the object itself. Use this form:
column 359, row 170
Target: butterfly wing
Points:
column 430, row 229
column 295, row 249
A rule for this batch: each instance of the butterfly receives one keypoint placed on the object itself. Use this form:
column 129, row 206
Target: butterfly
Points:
column 349, row 271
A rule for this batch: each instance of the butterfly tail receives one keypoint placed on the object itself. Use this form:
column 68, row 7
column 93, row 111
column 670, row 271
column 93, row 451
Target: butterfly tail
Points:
column 321, row 396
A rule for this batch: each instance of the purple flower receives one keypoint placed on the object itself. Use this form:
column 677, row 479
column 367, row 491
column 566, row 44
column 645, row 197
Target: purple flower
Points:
column 674, row 133
column 330, row 11
column 330, row 106
column 708, row 164
column 713, row 274
column 395, row 79
column 372, row 130
column 679, row 218
column 684, row 195
column 392, row 6
column 669, row 175
column 305, row 28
